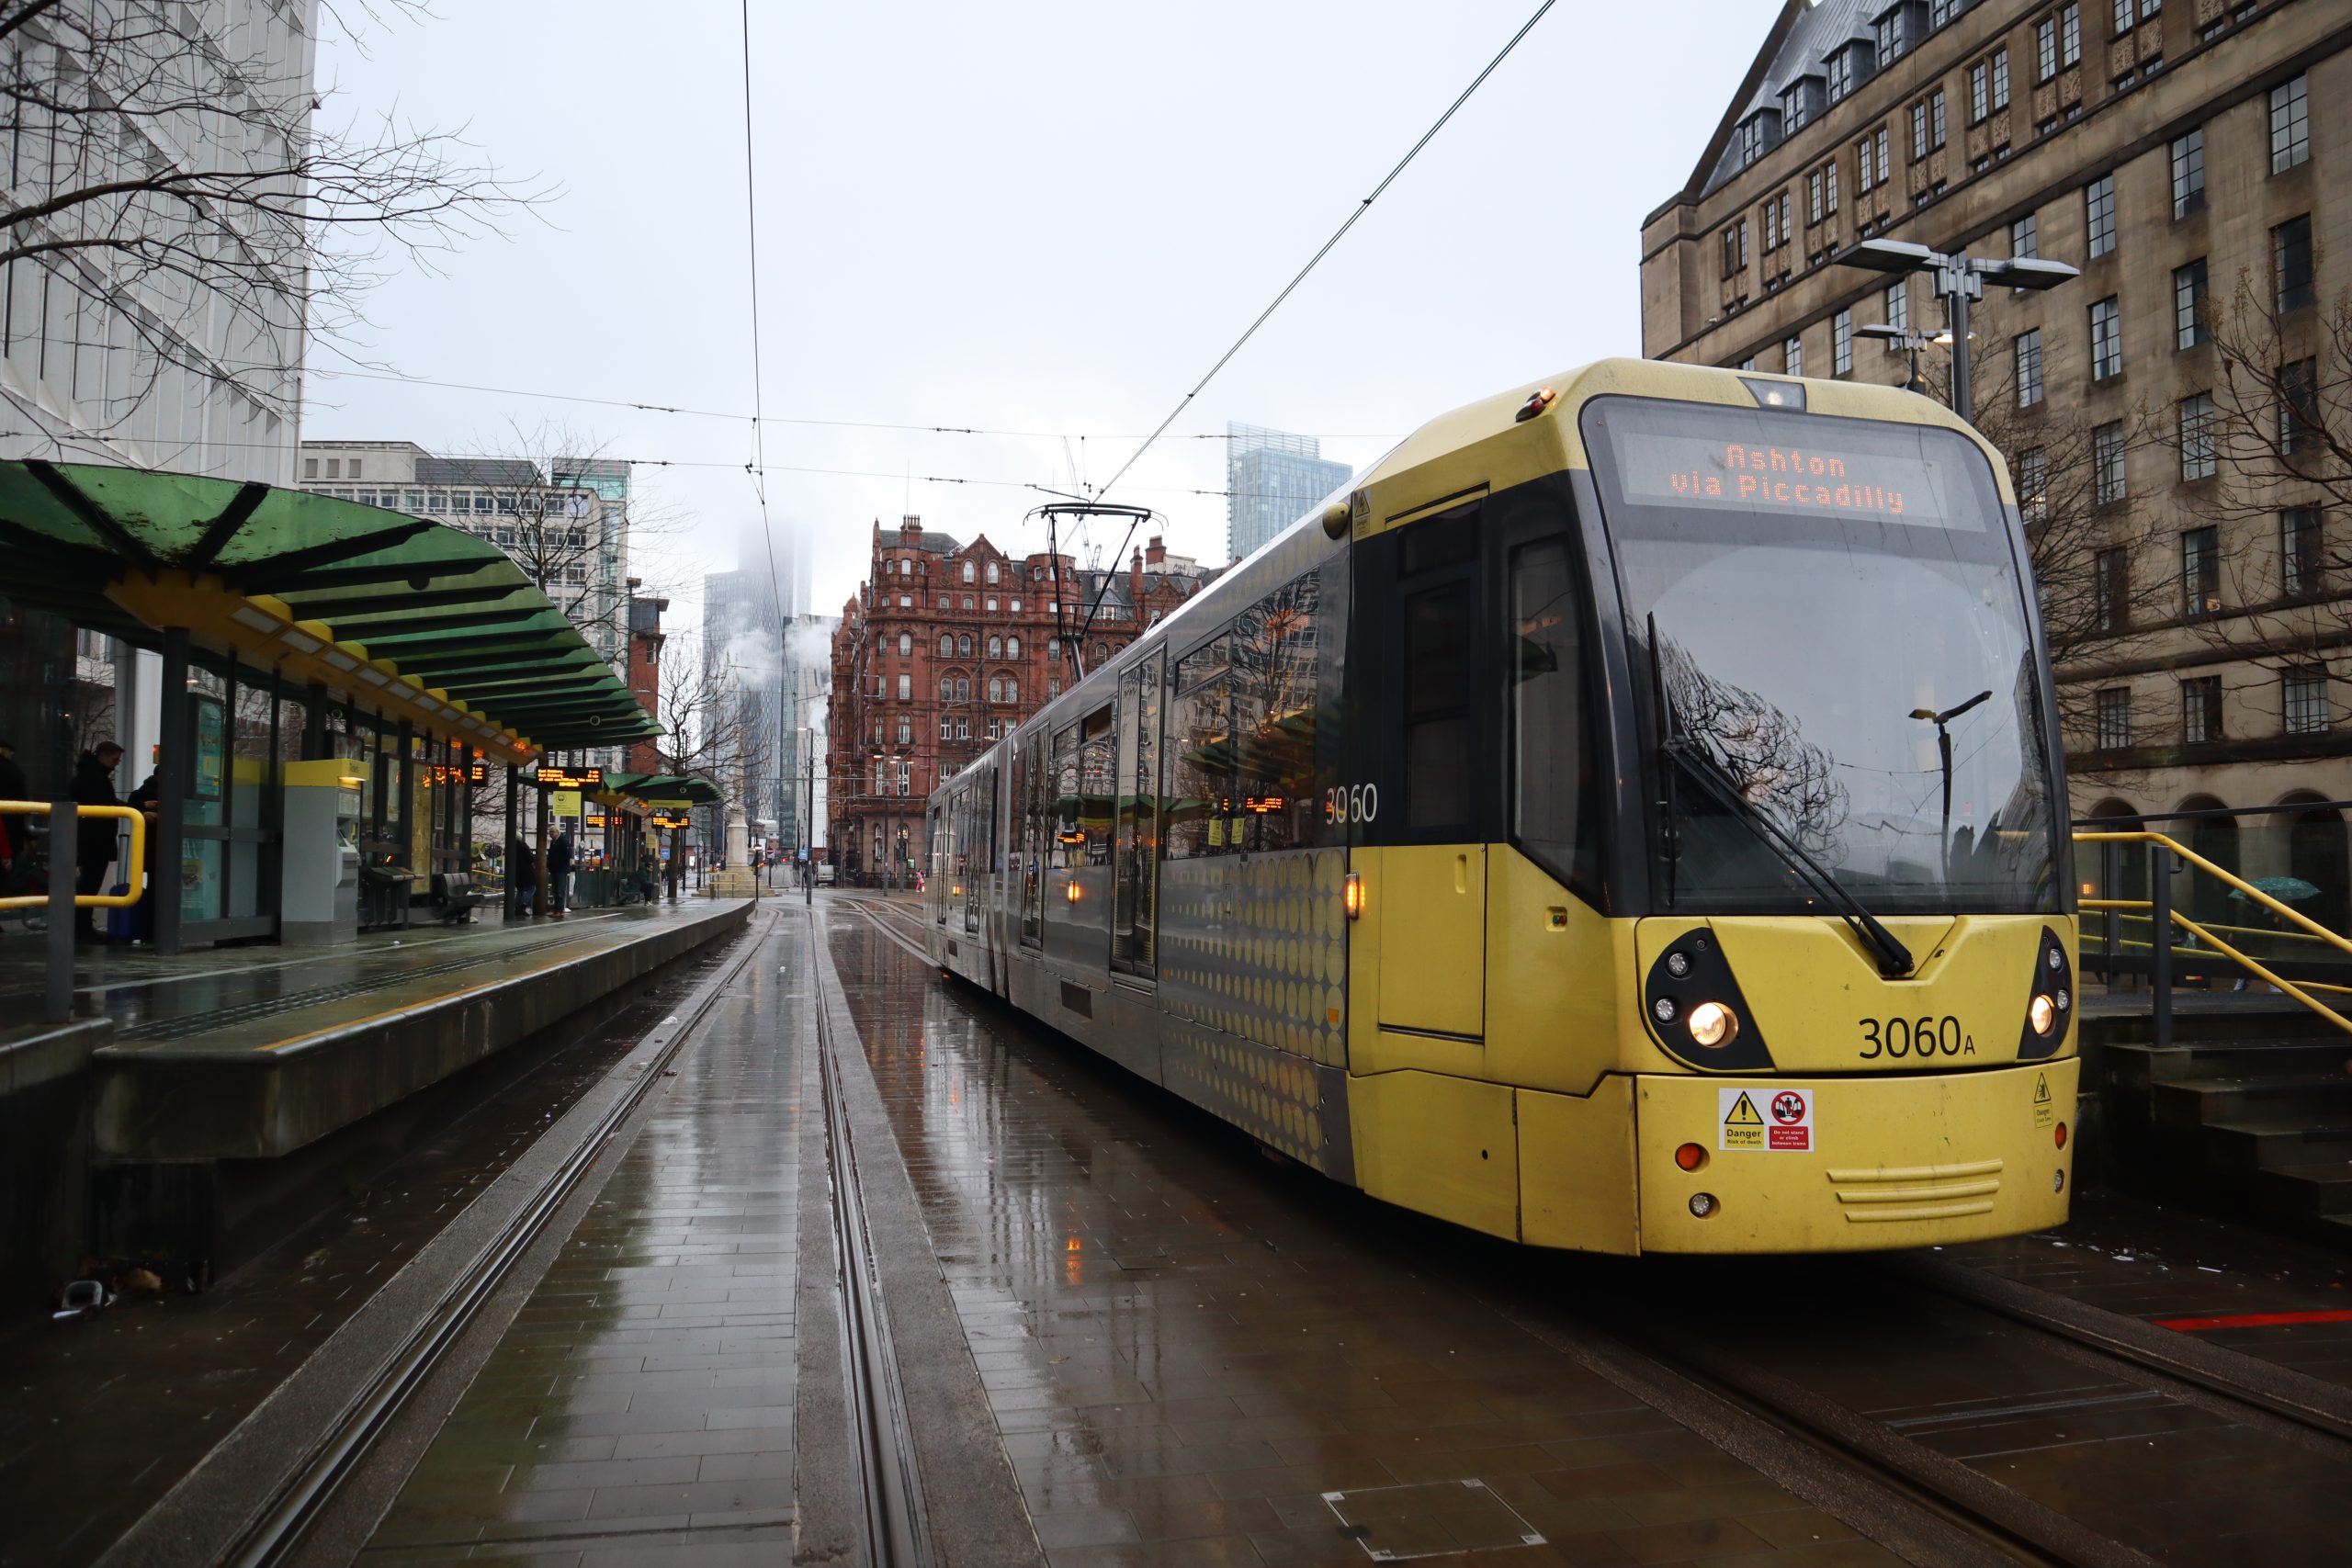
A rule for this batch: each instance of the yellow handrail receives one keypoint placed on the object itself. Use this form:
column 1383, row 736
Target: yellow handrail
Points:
column 2127, row 905
column 2253, row 892
column 138, row 820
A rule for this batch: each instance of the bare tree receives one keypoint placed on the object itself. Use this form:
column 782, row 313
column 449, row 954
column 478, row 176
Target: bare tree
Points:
column 714, row 724
column 175, row 203
column 2274, row 450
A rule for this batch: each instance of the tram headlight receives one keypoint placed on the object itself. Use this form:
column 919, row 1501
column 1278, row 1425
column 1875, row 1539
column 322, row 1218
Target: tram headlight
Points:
column 2041, row 1012
column 1713, row 1024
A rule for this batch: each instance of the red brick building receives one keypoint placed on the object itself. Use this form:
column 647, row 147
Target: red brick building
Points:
column 946, row 647
column 645, row 640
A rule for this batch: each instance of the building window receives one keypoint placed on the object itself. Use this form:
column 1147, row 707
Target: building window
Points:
column 2305, row 699
column 2196, row 436
column 2114, row 718
column 946, row 645
column 992, row 574
column 1841, row 344
column 2000, row 64
column 2110, row 590
column 2024, row 239
column 1891, row 41
column 1792, row 357
column 2298, row 418
column 2033, row 484
column 310, row 468
column 1736, row 248
column 946, row 729
column 2028, row 352
column 1011, row 689
column 1821, row 193
column 906, row 688
column 946, row 688
column 2188, row 304
column 2106, row 339
column 1841, row 74
column 2300, row 565
column 2290, row 263
column 1927, row 127
column 2129, row 13
column 1980, row 91
column 2290, row 125
column 1872, row 167
column 2200, row 708
column 1012, row 645
column 1775, row 217
column 2098, row 207
column 964, row 645
column 2070, row 36
column 2107, row 463
column 996, row 648
column 1898, row 309
column 906, row 730
column 1942, row 12
column 2188, row 174
column 2201, row 572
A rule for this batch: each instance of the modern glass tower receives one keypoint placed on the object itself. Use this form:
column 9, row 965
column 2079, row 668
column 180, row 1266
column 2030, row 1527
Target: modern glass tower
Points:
column 1271, row 479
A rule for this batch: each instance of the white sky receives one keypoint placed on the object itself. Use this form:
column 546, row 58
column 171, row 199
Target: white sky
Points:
column 1034, row 217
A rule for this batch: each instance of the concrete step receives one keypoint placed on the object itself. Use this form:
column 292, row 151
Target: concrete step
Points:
column 2136, row 1064
column 2308, row 1190
column 2270, row 1144
column 2202, row 1102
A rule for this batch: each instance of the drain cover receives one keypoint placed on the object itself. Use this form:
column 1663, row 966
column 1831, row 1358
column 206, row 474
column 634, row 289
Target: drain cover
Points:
column 1435, row 1518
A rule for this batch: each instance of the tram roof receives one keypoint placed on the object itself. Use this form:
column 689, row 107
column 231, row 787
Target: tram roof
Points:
column 408, row 616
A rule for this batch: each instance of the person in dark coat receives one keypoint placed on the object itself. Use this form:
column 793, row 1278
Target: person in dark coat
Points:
column 523, row 875
column 94, row 837
column 559, row 870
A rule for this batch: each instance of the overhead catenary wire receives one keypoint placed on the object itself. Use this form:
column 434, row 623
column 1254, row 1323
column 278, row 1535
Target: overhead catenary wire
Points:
column 1338, row 234
column 757, row 467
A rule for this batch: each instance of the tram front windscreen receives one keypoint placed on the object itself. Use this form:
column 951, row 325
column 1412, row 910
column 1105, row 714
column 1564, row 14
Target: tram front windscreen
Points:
column 1832, row 616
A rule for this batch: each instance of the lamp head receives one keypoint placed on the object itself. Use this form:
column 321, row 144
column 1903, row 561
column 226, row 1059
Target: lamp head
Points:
column 1887, row 256
column 2028, row 272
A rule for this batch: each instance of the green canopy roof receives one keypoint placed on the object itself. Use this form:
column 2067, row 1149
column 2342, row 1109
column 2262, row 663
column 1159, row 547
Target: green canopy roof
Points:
column 447, row 608
column 665, row 786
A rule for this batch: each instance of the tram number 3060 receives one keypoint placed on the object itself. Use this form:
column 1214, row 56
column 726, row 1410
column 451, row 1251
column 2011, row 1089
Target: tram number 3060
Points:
column 1351, row 802
column 1922, row 1036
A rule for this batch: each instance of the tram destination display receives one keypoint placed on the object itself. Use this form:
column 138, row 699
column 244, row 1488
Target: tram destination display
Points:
column 1795, row 466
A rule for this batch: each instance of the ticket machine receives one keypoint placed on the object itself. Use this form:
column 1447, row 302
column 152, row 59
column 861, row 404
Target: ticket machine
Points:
column 320, row 900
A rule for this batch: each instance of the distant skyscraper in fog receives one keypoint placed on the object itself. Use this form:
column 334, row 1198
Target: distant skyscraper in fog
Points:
column 1271, row 479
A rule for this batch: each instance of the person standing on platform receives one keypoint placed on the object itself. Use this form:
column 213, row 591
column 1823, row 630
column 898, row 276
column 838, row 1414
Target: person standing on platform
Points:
column 94, row 837
column 559, row 871
column 522, row 876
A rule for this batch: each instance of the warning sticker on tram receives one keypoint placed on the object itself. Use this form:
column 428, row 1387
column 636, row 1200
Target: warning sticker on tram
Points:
column 1769, row 1119
column 2044, row 1111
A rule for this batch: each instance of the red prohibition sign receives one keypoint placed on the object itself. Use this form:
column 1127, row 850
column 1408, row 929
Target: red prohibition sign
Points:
column 1788, row 1107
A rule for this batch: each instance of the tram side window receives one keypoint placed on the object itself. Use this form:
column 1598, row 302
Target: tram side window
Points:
column 1275, row 686
column 1069, row 840
column 1201, row 754
column 1551, row 721
column 1438, row 737
column 1098, row 786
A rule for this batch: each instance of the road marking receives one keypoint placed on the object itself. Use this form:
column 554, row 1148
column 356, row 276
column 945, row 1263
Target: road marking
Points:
column 2253, row 1320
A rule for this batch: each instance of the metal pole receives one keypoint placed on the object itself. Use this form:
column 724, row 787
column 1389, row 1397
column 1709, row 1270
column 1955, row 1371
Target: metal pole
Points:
column 2160, row 900
column 808, row 829
column 174, row 774
column 65, row 916
column 507, row 855
column 2111, row 885
column 1964, row 401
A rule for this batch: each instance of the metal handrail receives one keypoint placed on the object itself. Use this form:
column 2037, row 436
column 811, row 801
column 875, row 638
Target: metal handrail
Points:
column 138, row 856
column 2127, row 908
column 2163, row 916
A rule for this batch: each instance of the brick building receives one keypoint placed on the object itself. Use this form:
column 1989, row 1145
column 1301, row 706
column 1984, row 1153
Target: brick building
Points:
column 946, row 647
column 2180, row 153
column 645, row 640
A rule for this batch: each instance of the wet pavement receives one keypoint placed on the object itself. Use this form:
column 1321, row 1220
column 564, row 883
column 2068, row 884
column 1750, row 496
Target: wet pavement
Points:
column 1185, row 1352
column 99, row 1418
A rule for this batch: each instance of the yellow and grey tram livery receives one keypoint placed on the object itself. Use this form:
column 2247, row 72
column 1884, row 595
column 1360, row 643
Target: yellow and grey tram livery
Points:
column 1629, row 819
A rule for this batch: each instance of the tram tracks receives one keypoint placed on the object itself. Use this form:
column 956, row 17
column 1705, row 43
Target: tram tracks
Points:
column 275, row 1532
column 897, row 1529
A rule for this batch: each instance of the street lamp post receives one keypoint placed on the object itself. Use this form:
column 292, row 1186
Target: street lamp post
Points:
column 1960, row 279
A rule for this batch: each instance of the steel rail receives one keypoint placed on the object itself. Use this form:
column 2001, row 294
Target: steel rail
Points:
column 897, row 1534
column 277, row 1530
column 883, row 927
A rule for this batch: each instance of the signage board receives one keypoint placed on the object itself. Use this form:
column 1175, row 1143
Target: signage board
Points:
column 565, row 803
column 551, row 777
column 673, row 819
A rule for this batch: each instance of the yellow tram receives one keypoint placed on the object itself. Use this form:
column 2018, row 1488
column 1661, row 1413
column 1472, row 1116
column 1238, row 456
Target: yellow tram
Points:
column 1630, row 820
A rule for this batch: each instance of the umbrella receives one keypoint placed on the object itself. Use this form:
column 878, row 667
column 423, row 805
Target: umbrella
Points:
column 2286, row 889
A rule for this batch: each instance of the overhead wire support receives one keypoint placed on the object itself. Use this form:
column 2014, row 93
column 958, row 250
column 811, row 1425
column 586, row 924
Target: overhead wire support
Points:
column 1340, row 233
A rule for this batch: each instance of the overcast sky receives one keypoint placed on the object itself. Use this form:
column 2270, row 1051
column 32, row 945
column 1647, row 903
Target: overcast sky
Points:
column 1034, row 217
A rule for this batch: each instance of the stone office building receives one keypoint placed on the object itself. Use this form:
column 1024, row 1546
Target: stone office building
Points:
column 943, row 650
column 2180, row 153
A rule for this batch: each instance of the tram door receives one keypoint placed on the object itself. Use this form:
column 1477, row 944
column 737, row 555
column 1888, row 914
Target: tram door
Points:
column 1432, row 897
column 1136, row 850
column 1029, row 811
column 978, row 846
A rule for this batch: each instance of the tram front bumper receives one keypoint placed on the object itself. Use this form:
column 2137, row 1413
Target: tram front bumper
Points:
column 1853, row 1163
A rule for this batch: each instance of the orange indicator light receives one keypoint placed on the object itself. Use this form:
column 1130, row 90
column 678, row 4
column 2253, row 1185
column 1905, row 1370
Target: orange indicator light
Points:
column 1691, row 1156
column 2061, row 1135
column 1352, row 896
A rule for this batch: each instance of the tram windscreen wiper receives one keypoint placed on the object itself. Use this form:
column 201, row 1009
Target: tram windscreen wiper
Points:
column 1895, row 959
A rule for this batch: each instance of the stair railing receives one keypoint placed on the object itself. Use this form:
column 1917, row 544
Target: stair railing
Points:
column 2162, row 918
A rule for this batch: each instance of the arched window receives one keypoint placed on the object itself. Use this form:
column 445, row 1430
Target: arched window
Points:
column 967, row 571
column 963, row 691
column 946, row 645
column 996, row 690
column 1011, row 689
column 1013, row 648
column 996, row 648
column 906, row 643
column 946, row 689
column 964, row 645
column 991, row 573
